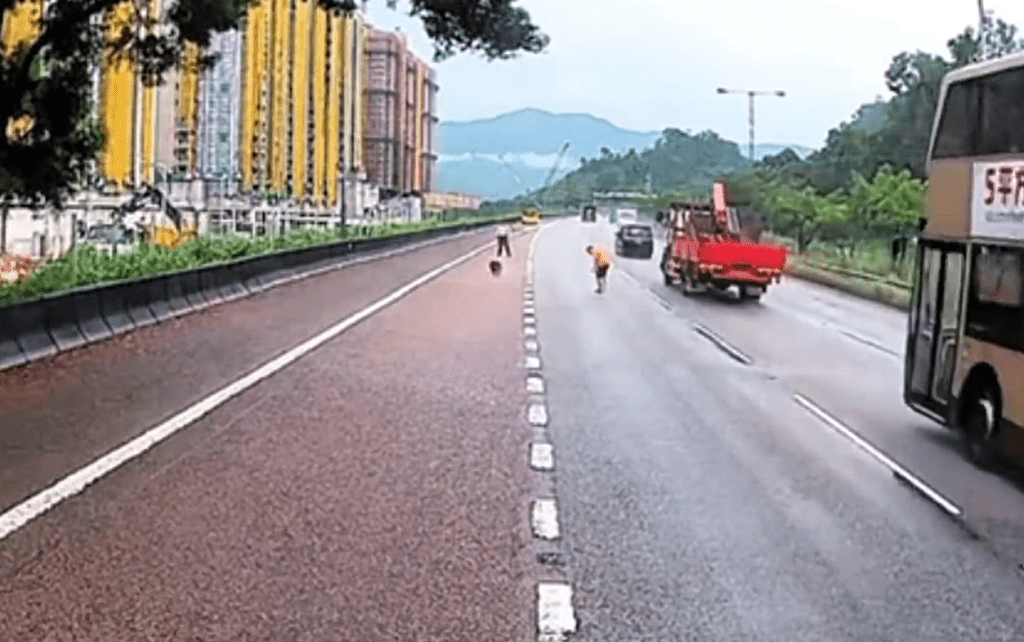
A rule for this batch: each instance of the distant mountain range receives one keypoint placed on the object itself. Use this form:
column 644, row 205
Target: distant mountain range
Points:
column 506, row 155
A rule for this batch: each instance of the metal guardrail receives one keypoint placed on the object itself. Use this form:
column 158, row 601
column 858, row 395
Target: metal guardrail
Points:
column 40, row 328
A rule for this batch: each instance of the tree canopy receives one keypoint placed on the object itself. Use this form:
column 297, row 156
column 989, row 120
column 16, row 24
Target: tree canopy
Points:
column 677, row 161
column 46, row 109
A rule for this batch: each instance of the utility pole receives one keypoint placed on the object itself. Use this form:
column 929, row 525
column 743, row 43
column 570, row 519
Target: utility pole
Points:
column 751, row 93
column 981, row 29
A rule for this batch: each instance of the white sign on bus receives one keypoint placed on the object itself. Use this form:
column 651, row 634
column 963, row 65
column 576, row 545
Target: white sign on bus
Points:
column 997, row 208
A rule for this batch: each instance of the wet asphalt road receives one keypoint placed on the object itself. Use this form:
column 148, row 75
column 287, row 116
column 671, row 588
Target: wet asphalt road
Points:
column 700, row 502
column 377, row 488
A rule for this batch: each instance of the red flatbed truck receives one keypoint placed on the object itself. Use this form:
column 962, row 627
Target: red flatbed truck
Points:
column 705, row 248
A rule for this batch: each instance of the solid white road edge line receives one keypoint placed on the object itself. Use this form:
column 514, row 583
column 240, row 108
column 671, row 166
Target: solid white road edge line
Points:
column 542, row 456
column 19, row 515
column 544, row 519
column 885, row 460
column 555, row 617
column 732, row 351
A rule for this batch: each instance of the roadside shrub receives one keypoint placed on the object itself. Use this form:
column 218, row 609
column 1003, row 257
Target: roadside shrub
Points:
column 87, row 265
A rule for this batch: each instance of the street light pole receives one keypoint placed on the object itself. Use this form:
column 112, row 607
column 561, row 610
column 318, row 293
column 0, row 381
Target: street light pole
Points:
column 751, row 93
column 981, row 29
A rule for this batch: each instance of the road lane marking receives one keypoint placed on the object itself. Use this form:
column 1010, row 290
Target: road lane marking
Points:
column 899, row 471
column 555, row 618
column 869, row 342
column 725, row 346
column 529, row 331
column 544, row 519
column 535, row 385
column 660, row 301
column 529, row 319
column 542, row 456
column 19, row 515
column 532, row 363
column 537, row 415
column 665, row 305
column 531, row 345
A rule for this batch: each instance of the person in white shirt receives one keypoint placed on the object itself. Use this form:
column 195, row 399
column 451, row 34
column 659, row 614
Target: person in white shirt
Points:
column 502, row 233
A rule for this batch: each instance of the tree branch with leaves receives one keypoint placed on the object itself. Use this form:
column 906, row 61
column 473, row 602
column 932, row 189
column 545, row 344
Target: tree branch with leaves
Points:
column 48, row 129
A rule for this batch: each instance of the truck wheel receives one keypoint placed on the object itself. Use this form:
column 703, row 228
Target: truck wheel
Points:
column 980, row 426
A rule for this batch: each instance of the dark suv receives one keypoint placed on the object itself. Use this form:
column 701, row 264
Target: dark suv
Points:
column 635, row 239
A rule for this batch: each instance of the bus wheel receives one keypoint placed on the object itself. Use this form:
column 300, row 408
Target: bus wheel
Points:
column 980, row 423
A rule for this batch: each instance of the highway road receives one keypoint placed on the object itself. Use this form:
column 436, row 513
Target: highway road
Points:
column 722, row 470
column 701, row 500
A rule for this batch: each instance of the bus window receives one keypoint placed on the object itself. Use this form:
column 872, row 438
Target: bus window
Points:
column 923, row 334
column 994, row 307
column 1002, row 112
column 958, row 125
column 949, row 322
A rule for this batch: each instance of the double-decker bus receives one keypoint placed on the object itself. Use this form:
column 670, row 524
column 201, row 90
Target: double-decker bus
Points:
column 965, row 341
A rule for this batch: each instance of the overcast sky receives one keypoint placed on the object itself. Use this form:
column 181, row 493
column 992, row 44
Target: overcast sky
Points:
column 651, row 64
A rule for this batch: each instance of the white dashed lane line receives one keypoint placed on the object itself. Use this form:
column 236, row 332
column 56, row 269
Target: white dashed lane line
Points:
column 544, row 519
column 555, row 618
column 542, row 456
column 724, row 345
column 537, row 415
column 897, row 470
column 535, row 385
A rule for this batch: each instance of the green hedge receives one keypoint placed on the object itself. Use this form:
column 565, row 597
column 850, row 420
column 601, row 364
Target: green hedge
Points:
column 86, row 265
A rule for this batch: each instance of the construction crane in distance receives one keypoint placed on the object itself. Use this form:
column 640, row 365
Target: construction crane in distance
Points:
column 554, row 169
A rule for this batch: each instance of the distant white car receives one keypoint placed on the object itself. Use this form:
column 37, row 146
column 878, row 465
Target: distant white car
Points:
column 625, row 216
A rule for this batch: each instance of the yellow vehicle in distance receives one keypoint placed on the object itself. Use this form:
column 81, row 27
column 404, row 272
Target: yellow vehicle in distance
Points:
column 531, row 216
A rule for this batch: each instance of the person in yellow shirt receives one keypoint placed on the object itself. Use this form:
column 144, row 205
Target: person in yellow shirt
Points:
column 602, row 261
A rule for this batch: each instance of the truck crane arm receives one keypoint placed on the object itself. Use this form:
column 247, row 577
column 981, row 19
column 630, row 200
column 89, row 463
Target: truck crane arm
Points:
column 551, row 174
column 150, row 194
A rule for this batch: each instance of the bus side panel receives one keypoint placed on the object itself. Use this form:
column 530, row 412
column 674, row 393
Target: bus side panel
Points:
column 948, row 200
